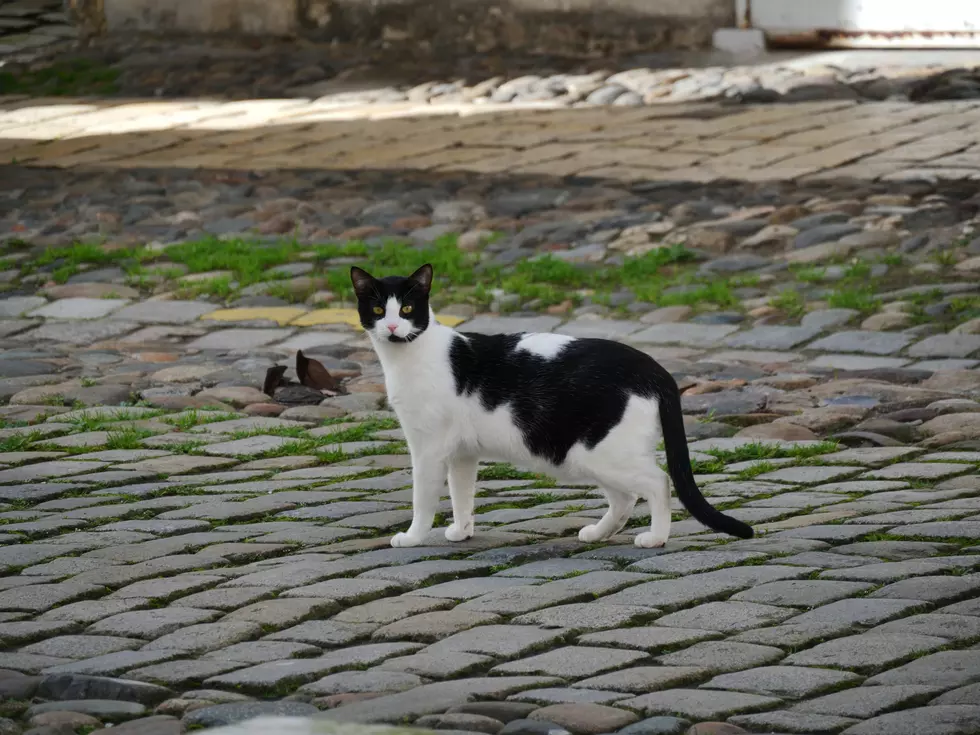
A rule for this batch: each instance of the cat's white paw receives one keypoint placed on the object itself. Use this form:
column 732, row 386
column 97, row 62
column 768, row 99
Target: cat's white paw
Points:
column 404, row 540
column 459, row 532
column 590, row 533
column 650, row 540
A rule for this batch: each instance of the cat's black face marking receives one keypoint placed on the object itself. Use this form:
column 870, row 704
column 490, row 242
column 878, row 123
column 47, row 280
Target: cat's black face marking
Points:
column 394, row 308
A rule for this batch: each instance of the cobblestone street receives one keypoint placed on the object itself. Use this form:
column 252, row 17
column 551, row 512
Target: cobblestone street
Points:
column 184, row 545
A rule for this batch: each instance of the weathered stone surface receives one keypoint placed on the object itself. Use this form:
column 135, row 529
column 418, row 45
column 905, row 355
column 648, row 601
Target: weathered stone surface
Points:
column 571, row 662
column 183, row 672
column 75, row 686
column 156, row 725
column 533, row 727
column 937, row 720
column 37, row 598
column 63, row 720
column 433, row 698
column 257, row 652
column 585, row 719
column 437, row 665
column 718, row 656
column 642, row 679
column 233, row 712
column 963, row 695
column 856, row 612
column 151, row 623
column 648, row 638
column 874, row 343
column 699, row 703
column 940, row 589
column 947, row 669
column 505, row 641
column 686, row 562
column 566, row 695
column 362, row 681
column 501, row 711
column 461, row 722
column 205, row 637
column 865, row 702
column 868, row 651
column 785, row 682
column 82, row 646
column 674, row 593
column 730, row 617
column 293, row 672
column 587, row 616
column 798, row 722
column 272, row 614
column 104, row 709
column 891, row 571
column 802, row 593
column 662, row 725
column 433, row 626
column 695, row 335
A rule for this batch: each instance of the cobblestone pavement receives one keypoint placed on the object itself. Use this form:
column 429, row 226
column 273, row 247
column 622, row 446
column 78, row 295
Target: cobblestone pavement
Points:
column 180, row 549
column 890, row 141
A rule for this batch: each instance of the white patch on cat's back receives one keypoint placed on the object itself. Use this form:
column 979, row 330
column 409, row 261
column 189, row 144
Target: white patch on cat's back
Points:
column 544, row 344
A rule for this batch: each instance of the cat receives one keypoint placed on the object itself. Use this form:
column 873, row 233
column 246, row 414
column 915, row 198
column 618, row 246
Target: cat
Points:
column 587, row 411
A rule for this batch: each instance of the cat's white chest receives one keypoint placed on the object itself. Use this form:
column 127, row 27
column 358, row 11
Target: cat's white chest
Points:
column 419, row 383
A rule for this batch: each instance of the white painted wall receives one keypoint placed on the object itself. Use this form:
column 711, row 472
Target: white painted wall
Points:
column 886, row 16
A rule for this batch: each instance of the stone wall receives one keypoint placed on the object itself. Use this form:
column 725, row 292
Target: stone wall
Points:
column 553, row 26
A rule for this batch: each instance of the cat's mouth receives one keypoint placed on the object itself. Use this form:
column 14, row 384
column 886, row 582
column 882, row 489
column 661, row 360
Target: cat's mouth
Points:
column 402, row 340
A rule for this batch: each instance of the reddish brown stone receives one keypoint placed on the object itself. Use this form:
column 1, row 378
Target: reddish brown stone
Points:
column 585, row 719
column 157, row 356
column 715, row 728
column 359, row 233
column 264, row 409
column 411, row 223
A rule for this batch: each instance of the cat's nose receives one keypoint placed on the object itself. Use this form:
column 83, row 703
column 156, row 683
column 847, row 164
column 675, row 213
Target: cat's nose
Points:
column 392, row 328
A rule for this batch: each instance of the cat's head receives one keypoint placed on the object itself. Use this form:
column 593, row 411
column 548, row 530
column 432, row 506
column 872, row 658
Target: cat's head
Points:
column 394, row 308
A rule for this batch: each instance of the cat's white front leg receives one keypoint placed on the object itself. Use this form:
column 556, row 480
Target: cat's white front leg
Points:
column 428, row 480
column 462, row 489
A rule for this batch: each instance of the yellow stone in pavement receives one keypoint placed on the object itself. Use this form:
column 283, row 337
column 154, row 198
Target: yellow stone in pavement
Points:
column 328, row 316
column 350, row 316
column 449, row 320
column 281, row 314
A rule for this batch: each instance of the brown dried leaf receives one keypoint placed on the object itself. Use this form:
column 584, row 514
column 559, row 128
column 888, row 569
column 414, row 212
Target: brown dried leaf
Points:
column 313, row 374
column 273, row 379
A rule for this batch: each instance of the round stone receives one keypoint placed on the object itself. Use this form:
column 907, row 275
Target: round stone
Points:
column 462, row 722
column 505, row 712
column 229, row 714
column 533, row 727
column 715, row 728
column 585, row 719
column 657, row 726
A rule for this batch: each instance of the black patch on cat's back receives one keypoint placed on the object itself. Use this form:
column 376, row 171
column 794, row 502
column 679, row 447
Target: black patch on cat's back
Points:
column 578, row 396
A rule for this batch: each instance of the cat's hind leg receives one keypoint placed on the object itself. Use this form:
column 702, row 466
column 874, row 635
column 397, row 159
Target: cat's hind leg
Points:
column 428, row 480
column 462, row 489
column 621, row 505
column 655, row 487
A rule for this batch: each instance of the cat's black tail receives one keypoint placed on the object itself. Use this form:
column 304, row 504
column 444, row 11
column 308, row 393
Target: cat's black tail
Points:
column 679, row 464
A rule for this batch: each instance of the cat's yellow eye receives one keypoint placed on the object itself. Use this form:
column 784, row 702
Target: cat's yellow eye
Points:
column 378, row 310
column 406, row 310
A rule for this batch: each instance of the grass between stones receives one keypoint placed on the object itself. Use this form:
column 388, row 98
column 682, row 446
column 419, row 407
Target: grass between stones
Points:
column 669, row 275
column 69, row 77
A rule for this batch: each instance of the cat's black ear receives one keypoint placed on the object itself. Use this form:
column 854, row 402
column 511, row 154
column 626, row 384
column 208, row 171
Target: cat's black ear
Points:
column 423, row 277
column 362, row 280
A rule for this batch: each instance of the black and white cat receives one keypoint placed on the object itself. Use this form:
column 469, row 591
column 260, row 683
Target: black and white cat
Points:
column 587, row 411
